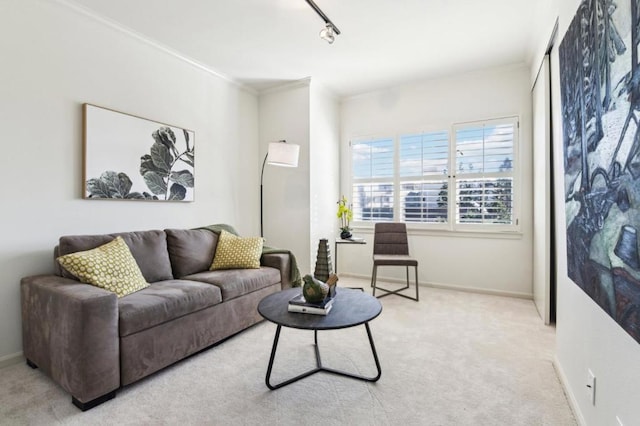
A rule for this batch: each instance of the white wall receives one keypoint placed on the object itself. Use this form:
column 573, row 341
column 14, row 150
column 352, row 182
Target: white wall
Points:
column 299, row 203
column 501, row 265
column 587, row 338
column 544, row 20
column 284, row 114
column 324, row 167
column 53, row 60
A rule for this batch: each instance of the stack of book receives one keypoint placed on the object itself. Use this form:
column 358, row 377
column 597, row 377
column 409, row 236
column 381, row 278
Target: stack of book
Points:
column 300, row 305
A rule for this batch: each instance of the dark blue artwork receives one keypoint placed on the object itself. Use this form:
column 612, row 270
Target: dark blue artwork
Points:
column 600, row 92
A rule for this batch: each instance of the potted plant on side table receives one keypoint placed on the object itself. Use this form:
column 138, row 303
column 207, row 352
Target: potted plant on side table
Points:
column 345, row 214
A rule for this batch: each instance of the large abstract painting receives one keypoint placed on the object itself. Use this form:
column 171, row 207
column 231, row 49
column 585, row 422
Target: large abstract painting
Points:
column 600, row 91
column 132, row 158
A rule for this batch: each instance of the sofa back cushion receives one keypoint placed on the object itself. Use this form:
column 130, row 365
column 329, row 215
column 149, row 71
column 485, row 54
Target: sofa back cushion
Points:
column 149, row 249
column 190, row 250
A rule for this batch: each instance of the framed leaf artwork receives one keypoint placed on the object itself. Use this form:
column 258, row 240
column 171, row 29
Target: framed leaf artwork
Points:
column 133, row 158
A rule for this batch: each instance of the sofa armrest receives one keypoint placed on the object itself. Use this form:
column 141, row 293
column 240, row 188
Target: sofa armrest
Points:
column 70, row 331
column 281, row 261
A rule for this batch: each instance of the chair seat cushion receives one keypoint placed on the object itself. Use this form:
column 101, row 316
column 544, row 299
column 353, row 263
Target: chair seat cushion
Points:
column 394, row 259
column 164, row 301
column 237, row 282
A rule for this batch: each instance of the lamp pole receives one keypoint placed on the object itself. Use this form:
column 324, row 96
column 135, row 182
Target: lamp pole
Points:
column 261, row 176
column 283, row 155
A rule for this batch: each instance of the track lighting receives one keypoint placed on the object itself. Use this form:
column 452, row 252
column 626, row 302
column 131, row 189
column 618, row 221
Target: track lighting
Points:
column 330, row 31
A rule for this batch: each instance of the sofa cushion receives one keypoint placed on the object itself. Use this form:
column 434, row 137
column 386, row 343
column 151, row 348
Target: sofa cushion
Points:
column 237, row 282
column 235, row 252
column 190, row 250
column 149, row 249
column 109, row 266
column 164, row 301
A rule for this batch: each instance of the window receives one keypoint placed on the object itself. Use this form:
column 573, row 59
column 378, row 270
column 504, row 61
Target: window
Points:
column 373, row 176
column 463, row 179
column 484, row 172
column 423, row 177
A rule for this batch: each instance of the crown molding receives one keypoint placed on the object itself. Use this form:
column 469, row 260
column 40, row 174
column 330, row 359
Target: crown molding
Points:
column 303, row 82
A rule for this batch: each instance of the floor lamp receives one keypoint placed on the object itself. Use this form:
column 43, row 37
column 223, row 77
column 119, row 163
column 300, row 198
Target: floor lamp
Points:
column 281, row 154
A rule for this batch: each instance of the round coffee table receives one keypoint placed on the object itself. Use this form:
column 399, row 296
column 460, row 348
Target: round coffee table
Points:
column 350, row 308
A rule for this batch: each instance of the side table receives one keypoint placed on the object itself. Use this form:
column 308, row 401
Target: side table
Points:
column 341, row 241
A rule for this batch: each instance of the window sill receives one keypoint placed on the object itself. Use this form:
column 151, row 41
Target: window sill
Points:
column 413, row 230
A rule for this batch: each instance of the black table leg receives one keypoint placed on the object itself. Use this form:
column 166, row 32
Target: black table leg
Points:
column 273, row 355
column 319, row 367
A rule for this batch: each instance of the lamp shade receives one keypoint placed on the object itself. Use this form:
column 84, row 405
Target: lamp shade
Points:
column 283, row 154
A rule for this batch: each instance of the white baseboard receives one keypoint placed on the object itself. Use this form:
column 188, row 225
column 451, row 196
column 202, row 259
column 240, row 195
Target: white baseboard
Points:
column 449, row 287
column 11, row 359
column 573, row 403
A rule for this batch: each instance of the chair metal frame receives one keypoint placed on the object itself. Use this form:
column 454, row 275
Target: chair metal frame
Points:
column 396, row 291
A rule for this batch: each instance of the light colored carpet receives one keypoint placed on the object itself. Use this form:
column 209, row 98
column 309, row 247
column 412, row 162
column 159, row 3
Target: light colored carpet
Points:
column 454, row 358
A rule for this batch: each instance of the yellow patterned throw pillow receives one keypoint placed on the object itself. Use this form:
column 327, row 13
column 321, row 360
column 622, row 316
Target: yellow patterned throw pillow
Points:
column 237, row 253
column 110, row 266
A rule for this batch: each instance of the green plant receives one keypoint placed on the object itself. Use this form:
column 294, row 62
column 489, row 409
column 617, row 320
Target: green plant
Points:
column 345, row 214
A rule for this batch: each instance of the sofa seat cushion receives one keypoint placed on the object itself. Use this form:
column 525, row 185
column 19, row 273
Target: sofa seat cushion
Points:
column 164, row 301
column 237, row 282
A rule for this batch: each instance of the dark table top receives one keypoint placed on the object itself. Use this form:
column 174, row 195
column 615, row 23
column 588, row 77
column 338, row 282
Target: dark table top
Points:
column 350, row 308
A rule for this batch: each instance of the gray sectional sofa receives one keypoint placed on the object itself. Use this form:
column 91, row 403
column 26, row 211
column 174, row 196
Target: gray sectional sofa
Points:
column 92, row 343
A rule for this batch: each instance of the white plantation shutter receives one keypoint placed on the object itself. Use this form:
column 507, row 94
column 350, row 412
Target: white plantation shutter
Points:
column 484, row 172
column 484, row 149
column 424, row 201
column 424, row 164
column 372, row 159
column 373, row 185
column 373, row 202
column 462, row 180
column 485, row 201
column 425, row 154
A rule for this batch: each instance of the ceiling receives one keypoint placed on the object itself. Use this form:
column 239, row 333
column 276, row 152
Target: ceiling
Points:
column 265, row 43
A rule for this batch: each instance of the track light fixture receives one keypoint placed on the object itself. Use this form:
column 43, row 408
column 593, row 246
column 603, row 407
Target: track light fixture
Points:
column 327, row 34
column 330, row 31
